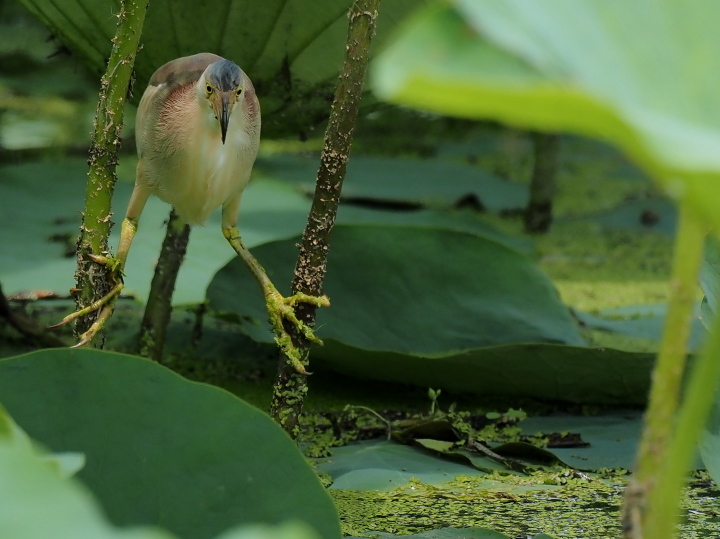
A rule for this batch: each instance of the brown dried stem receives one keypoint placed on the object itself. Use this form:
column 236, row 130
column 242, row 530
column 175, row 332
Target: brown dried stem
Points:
column 28, row 326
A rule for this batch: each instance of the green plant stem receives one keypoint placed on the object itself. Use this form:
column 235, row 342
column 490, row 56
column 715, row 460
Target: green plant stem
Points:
column 643, row 495
column 95, row 228
column 662, row 514
column 159, row 303
column 291, row 387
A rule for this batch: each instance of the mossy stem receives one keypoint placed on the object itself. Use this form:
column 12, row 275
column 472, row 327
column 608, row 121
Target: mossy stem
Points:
column 159, row 303
column 95, row 228
column 651, row 493
column 291, row 386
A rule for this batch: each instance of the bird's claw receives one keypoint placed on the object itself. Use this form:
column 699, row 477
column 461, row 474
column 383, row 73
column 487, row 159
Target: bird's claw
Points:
column 280, row 308
column 114, row 265
column 104, row 304
column 102, row 317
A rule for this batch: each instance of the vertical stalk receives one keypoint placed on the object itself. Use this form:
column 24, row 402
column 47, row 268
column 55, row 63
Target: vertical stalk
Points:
column 290, row 387
column 538, row 213
column 95, row 227
column 663, row 501
column 648, row 481
column 159, row 303
column 510, row 153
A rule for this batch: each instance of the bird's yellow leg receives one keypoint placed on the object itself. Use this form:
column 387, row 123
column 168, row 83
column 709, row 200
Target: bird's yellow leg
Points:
column 106, row 303
column 278, row 306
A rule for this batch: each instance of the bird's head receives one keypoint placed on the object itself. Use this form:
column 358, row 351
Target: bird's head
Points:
column 222, row 86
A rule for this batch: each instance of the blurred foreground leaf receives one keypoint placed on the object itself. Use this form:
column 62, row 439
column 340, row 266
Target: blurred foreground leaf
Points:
column 161, row 449
column 36, row 502
column 643, row 76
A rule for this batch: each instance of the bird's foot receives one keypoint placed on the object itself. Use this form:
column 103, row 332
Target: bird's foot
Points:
column 282, row 308
column 104, row 305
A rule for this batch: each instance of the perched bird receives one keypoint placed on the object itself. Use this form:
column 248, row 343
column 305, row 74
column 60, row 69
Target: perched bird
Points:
column 197, row 134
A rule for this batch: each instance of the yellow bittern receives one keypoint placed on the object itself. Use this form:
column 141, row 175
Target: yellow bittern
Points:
column 197, row 134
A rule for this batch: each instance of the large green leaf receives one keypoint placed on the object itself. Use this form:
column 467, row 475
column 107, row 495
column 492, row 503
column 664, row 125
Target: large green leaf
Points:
column 36, row 502
column 65, row 464
column 289, row 530
column 161, row 449
column 538, row 371
column 709, row 444
column 642, row 75
column 521, row 371
column 710, row 281
column 612, row 437
column 291, row 49
column 640, row 321
column 431, row 183
column 425, row 307
column 382, row 465
column 458, row 220
column 654, row 214
column 425, row 293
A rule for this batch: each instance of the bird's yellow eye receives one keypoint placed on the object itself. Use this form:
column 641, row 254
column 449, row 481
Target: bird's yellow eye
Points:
column 208, row 89
column 239, row 91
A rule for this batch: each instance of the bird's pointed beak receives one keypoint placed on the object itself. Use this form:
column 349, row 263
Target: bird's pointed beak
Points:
column 225, row 108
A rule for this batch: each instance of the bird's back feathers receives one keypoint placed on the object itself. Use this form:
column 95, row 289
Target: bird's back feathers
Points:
column 183, row 70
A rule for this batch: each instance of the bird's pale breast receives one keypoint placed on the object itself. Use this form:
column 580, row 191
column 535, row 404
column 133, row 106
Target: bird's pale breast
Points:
column 186, row 163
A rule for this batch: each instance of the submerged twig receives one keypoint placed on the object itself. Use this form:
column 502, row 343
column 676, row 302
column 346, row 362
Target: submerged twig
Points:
column 506, row 461
column 387, row 423
column 28, row 326
column 95, row 228
column 290, row 386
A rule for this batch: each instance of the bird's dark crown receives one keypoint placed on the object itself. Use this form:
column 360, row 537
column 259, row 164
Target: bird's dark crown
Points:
column 224, row 75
